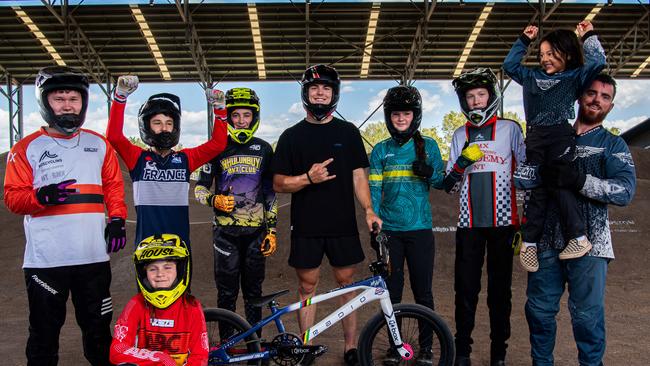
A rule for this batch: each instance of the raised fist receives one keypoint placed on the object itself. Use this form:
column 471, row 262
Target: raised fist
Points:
column 583, row 27
column 126, row 85
column 531, row 32
column 216, row 97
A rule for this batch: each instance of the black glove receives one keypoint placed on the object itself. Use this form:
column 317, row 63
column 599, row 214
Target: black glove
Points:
column 115, row 235
column 563, row 176
column 422, row 169
column 55, row 193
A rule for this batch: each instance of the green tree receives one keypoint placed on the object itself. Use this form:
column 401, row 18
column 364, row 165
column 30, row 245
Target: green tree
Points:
column 433, row 133
column 138, row 142
column 450, row 123
column 374, row 133
column 615, row 130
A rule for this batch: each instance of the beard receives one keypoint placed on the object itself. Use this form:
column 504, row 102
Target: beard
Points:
column 591, row 117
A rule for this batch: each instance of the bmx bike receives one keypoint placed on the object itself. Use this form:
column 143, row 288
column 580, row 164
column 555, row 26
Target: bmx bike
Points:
column 398, row 335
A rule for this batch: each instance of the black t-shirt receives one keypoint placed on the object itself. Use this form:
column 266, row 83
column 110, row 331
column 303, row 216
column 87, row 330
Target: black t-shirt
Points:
column 323, row 209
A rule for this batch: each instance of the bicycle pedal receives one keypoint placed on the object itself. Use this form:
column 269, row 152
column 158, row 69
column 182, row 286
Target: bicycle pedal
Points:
column 319, row 350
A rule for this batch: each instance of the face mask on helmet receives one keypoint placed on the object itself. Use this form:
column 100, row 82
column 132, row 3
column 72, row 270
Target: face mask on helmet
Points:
column 478, row 78
column 242, row 98
column 398, row 99
column 167, row 104
column 50, row 79
column 166, row 247
column 320, row 74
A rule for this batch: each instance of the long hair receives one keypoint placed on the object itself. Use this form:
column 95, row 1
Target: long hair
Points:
column 418, row 141
column 566, row 45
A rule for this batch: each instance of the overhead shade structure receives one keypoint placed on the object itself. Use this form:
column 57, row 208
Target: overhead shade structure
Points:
column 151, row 42
column 39, row 35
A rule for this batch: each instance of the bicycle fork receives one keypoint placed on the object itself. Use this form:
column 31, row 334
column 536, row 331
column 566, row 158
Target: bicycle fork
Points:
column 404, row 349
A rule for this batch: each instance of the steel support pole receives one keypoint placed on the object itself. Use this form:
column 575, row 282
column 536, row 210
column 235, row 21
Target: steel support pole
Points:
column 14, row 95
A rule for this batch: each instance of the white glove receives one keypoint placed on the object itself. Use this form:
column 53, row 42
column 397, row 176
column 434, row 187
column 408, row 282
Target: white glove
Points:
column 126, row 85
column 216, row 97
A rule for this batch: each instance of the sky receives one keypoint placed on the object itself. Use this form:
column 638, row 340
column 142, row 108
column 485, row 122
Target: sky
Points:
column 281, row 106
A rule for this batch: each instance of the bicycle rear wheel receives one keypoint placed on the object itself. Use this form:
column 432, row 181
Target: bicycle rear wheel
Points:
column 419, row 326
column 222, row 324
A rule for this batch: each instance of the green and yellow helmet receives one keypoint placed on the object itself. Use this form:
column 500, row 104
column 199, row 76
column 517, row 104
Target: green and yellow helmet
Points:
column 242, row 98
column 168, row 247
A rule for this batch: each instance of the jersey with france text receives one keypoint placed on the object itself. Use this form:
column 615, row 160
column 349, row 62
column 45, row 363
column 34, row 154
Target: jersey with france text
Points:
column 244, row 171
column 161, row 184
column 148, row 336
column 549, row 99
column 70, row 233
column 487, row 192
column 611, row 179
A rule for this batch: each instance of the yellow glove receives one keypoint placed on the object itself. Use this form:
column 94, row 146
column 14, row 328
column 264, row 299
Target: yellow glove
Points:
column 221, row 202
column 469, row 155
column 472, row 152
column 516, row 242
column 268, row 244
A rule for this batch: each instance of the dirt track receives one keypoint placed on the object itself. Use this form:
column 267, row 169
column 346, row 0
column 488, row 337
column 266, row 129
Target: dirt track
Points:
column 627, row 302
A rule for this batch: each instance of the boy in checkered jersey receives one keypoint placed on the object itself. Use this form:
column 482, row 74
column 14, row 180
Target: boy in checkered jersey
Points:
column 482, row 156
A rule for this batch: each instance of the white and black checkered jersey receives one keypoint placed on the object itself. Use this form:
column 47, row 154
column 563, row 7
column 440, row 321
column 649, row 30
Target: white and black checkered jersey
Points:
column 487, row 194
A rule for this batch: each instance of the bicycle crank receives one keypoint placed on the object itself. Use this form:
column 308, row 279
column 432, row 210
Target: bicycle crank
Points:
column 290, row 351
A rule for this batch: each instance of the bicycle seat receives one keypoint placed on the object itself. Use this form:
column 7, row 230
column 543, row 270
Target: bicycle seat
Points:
column 263, row 300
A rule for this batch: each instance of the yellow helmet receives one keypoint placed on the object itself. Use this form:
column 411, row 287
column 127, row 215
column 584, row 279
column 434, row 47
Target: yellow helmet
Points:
column 162, row 247
column 242, row 98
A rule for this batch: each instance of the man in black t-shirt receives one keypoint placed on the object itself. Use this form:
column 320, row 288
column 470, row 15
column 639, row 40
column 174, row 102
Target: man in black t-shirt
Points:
column 321, row 161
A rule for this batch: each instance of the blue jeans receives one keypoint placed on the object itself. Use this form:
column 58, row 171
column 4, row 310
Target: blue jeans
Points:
column 586, row 277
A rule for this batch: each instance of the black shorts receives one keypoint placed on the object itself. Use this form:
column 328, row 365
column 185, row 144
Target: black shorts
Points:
column 342, row 251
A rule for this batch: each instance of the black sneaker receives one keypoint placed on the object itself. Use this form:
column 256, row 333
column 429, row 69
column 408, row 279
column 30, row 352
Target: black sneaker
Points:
column 463, row 361
column 392, row 358
column 424, row 358
column 351, row 357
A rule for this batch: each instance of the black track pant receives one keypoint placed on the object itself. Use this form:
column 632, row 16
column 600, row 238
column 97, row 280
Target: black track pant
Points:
column 237, row 257
column 47, row 293
column 551, row 145
column 418, row 248
column 471, row 246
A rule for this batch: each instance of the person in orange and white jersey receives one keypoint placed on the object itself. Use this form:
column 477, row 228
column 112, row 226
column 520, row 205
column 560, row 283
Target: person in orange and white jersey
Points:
column 62, row 178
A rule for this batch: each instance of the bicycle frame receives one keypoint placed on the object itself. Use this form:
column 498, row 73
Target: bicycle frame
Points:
column 374, row 288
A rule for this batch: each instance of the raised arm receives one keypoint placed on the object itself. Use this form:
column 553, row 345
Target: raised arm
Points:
column 126, row 85
column 595, row 59
column 512, row 64
column 205, row 152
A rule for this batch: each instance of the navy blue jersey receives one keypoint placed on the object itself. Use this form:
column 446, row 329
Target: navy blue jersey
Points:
column 611, row 179
column 549, row 99
column 244, row 170
column 160, row 187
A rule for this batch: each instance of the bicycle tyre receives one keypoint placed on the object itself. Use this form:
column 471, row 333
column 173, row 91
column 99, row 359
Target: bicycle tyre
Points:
column 375, row 343
column 216, row 320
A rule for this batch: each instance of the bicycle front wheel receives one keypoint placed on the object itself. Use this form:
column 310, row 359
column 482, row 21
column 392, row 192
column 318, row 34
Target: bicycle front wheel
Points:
column 419, row 326
column 221, row 325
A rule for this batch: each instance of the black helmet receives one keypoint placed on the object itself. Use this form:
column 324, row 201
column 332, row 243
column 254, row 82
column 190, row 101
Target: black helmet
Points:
column 320, row 74
column 242, row 98
column 478, row 78
column 167, row 104
column 61, row 78
column 403, row 98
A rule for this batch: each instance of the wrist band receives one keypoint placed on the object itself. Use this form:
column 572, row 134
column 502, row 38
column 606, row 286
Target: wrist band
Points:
column 309, row 178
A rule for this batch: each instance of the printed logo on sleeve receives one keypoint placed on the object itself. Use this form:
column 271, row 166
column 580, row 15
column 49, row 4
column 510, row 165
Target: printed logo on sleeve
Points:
column 163, row 323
